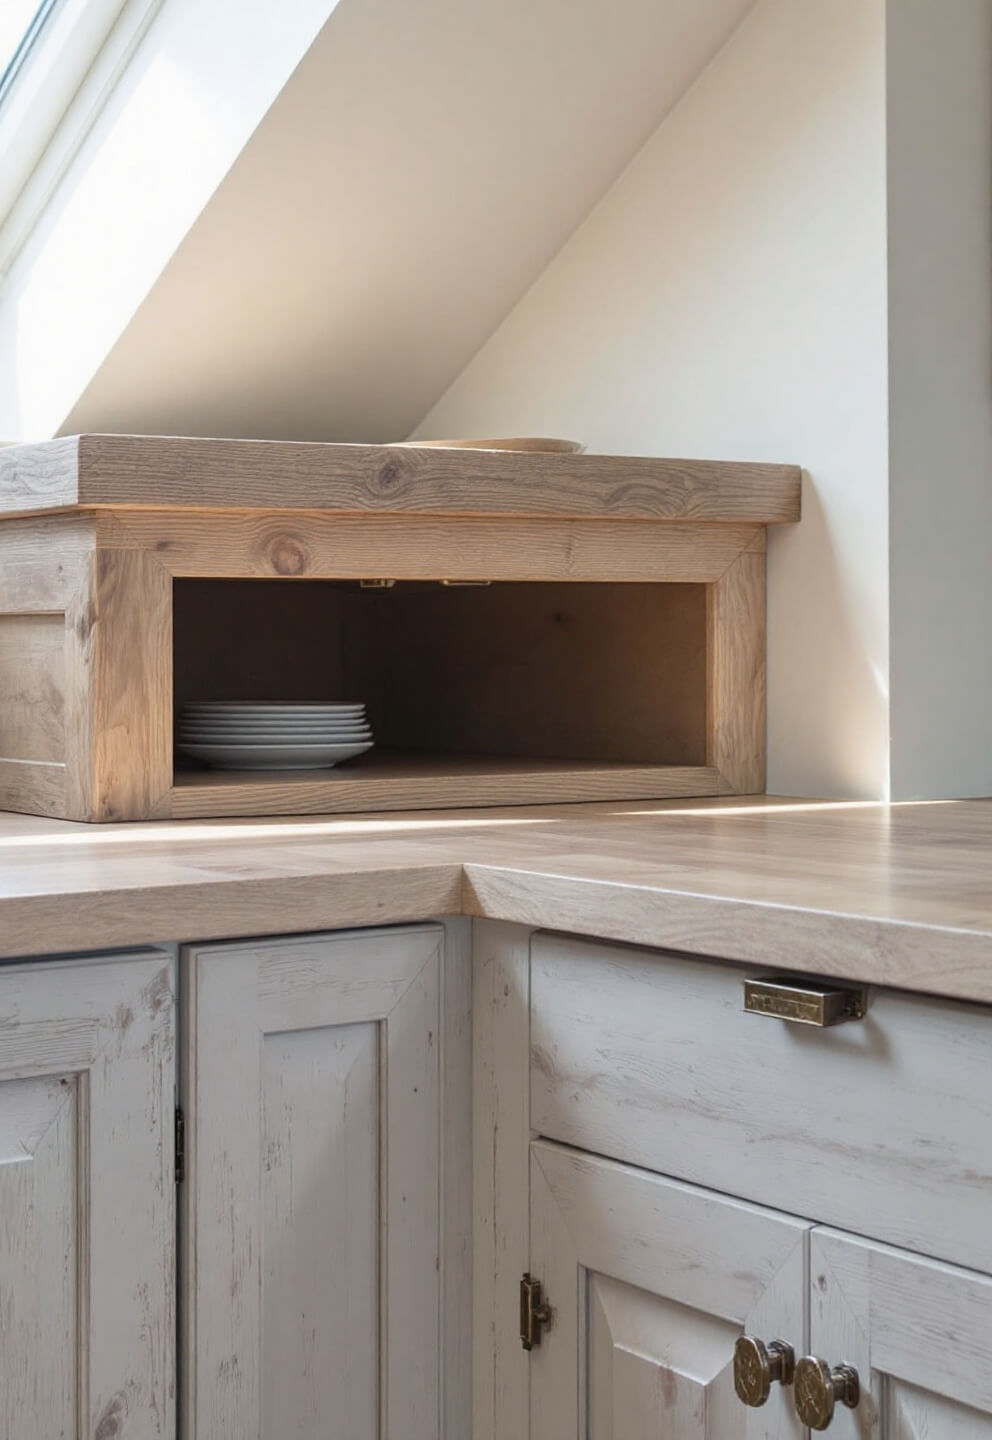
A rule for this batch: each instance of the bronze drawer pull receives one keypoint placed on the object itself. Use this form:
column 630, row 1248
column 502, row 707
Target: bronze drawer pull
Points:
column 757, row 1366
column 805, row 1002
column 818, row 1389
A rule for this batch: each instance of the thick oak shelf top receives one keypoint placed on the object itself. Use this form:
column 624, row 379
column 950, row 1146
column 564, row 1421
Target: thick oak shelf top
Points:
column 894, row 895
column 119, row 471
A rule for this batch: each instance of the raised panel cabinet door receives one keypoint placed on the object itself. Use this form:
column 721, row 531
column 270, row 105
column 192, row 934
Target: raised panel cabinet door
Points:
column 313, row 1217
column 651, row 1282
column 918, row 1332
column 87, row 1199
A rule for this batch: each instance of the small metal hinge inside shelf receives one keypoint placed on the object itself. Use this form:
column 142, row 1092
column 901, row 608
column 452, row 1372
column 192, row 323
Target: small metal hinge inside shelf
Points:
column 454, row 583
column 180, row 1145
column 535, row 1312
column 376, row 584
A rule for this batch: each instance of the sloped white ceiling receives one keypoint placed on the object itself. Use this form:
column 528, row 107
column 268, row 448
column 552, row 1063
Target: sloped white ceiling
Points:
column 423, row 164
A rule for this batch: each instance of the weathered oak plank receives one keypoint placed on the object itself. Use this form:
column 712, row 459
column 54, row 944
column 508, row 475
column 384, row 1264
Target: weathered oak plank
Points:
column 116, row 470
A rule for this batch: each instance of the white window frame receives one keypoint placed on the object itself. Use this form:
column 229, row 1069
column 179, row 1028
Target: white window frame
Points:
column 53, row 99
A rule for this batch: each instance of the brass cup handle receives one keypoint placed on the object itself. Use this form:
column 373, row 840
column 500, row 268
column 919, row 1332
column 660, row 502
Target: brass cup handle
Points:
column 757, row 1366
column 819, row 1389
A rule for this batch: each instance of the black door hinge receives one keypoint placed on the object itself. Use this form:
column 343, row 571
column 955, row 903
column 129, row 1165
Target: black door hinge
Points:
column 180, row 1145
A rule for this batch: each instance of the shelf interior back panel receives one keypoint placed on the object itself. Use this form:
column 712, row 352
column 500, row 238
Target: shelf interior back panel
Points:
column 605, row 672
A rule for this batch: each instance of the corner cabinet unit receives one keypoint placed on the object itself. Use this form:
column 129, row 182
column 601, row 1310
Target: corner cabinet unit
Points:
column 523, row 628
column 323, row 1214
column 732, row 1225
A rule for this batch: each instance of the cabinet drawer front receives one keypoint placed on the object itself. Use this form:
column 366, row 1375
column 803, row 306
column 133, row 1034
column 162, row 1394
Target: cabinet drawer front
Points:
column 882, row 1126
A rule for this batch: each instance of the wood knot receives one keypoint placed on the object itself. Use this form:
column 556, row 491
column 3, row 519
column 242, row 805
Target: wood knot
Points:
column 287, row 556
column 84, row 622
column 111, row 1422
column 391, row 475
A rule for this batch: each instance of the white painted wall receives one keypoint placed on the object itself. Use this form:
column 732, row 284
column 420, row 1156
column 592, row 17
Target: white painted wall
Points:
column 727, row 298
column 940, row 378
column 423, row 164
column 202, row 78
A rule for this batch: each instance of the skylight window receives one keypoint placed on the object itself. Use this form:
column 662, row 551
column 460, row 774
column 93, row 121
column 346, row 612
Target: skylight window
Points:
column 20, row 24
column 59, row 60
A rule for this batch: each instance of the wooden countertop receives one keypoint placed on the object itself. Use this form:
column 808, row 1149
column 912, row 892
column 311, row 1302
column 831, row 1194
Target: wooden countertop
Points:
column 897, row 895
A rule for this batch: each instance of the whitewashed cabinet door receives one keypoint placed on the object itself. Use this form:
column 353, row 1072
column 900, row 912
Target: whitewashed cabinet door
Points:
column 651, row 1283
column 311, row 1259
column 87, row 1199
column 918, row 1332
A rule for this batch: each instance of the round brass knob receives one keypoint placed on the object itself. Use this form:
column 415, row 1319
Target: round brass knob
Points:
column 819, row 1389
column 757, row 1366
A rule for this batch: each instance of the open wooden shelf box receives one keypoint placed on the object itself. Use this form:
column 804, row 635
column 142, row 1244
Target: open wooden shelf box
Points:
column 558, row 627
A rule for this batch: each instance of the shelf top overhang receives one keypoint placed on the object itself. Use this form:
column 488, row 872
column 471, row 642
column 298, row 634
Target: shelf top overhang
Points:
column 88, row 472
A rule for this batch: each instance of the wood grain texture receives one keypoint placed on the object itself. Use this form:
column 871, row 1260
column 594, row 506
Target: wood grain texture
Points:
column 561, row 691
column 39, row 477
column 506, row 671
column 45, row 600
column 603, row 673
column 456, row 1136
column 253, row 474
column 34, row 787
column 319, row 1231
column 501, row 1110
column 265, row 1024
column 685, row 1270
column 394, row 781
column 87, row 1197
column 918, row 1333
column 32, row 687
column 888, row 1117
column 40, row 1245
column 47, row 543
column 310, row 544
column 735, row 612
column 896, row 895
column 130, row 686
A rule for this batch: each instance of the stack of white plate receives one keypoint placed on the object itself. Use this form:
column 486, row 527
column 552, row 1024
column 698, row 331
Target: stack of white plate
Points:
column 249, row 735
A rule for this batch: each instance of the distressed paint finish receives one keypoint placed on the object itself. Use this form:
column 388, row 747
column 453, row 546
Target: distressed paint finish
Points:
column 313, row 1266
column 883, row 1124
column 918, row 1332
column 87, row 1199
column 501, row 1113
column 651, row 1283
column 320, row 1234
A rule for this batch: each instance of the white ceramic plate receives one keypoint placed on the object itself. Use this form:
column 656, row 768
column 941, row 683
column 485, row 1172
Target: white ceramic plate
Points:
column 274, row 757
column 298, row 722
column 306, row 737
column 275, row 727
column 255, row 722
column 244, row 708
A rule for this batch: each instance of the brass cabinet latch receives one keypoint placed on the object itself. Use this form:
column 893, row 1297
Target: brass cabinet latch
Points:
column 535, row 1312
column 805, row 1002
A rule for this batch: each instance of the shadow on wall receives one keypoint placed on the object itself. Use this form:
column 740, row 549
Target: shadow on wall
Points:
column 809, row 590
